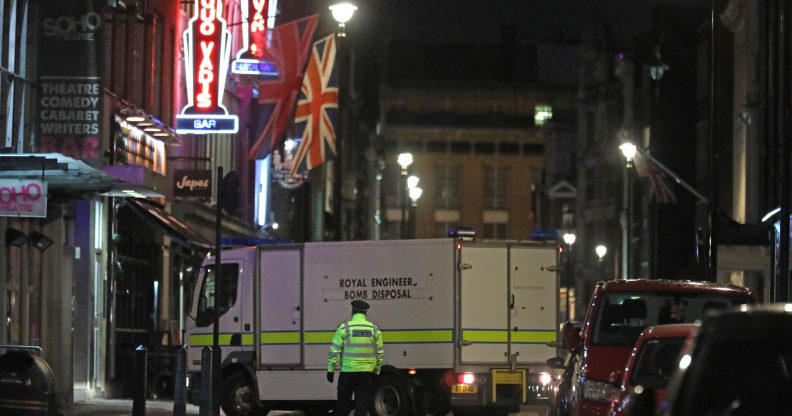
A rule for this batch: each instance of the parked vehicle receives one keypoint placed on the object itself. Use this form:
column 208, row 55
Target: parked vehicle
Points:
column 619, row 311
column 739, row 362
column 466, row 324
column 562, row 366
column 652, row 361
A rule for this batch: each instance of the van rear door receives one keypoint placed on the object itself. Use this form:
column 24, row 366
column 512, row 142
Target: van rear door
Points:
column 534, row 302
column 508, row 302
column 484, row 314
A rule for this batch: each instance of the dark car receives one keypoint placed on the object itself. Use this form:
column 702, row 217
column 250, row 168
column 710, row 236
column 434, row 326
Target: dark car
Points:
column 619, row 311
column 739, row 362
column 652, row 361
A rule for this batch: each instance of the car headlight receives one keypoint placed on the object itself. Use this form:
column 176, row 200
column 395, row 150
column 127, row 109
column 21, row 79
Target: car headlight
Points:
column 598, row 391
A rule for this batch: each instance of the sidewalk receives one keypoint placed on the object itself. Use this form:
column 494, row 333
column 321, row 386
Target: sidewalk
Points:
column 123, row 407
column 119, row 407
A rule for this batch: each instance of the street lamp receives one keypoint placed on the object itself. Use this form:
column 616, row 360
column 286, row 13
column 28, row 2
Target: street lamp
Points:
column 404, row 160
column 415, row 194
column 601, row 250
column 342, row 12
column 628, row 150
column 569, row 239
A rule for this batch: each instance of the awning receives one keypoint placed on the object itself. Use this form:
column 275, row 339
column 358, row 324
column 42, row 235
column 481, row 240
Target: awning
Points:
column 172, row 226
column 61, row 173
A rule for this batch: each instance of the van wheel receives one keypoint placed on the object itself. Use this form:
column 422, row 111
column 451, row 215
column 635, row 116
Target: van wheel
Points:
column 390, row 397
column 238, row 396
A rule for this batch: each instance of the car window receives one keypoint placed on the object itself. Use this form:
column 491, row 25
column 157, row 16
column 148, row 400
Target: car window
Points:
column 656, row 361
column 622, row 316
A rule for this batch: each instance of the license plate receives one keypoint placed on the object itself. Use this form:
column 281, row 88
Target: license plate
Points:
column 464, row 388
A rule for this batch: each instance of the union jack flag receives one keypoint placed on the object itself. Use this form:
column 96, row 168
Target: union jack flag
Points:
column 317, row 109
column 658, row 189
column 289, row 47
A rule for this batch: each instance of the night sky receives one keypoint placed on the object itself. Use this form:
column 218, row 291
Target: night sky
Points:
column 462, row 21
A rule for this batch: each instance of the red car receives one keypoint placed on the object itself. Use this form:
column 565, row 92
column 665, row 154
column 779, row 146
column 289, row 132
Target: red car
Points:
column 651, row 363
column 619, row 311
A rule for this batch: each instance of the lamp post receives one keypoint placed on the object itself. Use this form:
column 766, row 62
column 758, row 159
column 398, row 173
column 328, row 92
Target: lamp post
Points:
column 404, row 160
column 342, row 12
column 628, row 150
column 415, row 194
column 569, row 240
column 601, row 250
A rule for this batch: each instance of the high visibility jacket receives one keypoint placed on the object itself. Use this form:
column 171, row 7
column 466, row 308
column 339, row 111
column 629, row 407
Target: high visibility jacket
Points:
column 356, row 346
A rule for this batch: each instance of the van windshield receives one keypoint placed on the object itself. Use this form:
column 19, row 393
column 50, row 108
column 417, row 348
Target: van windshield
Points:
column 623, row 315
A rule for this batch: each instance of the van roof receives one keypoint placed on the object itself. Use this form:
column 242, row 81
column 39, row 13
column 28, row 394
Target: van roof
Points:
column 668, row 285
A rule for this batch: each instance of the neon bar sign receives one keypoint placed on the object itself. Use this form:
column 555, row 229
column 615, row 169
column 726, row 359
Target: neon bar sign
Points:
column 207, row 46
column 251, row 58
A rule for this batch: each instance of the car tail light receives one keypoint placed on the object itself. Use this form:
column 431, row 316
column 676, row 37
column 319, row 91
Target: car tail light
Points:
column 466, row 378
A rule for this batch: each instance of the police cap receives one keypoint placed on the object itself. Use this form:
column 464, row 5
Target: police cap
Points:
column 360, row 305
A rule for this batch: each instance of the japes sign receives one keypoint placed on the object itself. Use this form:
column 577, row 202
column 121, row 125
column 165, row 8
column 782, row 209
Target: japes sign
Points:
column 192, row 183
column 207, row 49
column 23, row 198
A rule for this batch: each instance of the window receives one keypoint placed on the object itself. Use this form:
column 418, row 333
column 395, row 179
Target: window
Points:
column 495, row 187
column 485, row 148
column 533, row 148
column 509, row 148
column 226, row 299
column 495, row 231
column 623, row 315
column 460, row 147
column 542, row 113
column 447, row 189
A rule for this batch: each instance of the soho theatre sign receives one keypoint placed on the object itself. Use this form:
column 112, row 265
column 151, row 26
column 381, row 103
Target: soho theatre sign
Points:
column 23, row 198
column 207, row 48
column 70, row 89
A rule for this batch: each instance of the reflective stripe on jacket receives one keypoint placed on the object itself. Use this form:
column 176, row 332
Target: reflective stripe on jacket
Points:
column 356, row 346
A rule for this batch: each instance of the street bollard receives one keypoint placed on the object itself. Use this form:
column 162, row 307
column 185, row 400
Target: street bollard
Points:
column 205, row 399
column 179, row 385
column 141, row 382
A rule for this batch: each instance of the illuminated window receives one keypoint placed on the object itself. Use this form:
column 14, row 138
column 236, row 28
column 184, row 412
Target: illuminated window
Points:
column 542, row 113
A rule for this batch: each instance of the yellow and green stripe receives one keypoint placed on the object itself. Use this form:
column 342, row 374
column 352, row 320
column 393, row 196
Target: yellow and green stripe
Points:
column 398, row 336
column 498, row 336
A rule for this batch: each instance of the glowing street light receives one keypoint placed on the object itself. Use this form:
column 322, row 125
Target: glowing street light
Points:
column 342, row 12
column 601, row 250
column 628, row 150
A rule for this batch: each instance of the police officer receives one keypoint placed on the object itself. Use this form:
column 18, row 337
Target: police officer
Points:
column 357, row 350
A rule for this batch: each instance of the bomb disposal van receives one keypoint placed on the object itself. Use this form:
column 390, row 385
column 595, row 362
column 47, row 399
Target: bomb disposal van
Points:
column 467, row 325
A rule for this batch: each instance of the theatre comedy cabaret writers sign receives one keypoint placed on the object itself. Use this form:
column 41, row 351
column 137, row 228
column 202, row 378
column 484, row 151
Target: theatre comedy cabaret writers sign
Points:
column 70, row 94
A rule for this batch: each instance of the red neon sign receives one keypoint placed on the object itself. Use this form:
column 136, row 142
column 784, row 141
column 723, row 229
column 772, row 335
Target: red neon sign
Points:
column 207, row 44
column 258, row 27
column 252, row 57
column 206, row 49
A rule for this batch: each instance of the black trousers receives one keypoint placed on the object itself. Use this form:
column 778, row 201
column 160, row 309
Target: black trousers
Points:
column 358, row 384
